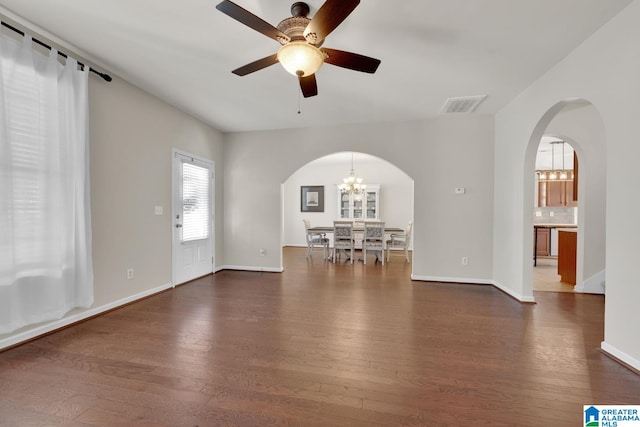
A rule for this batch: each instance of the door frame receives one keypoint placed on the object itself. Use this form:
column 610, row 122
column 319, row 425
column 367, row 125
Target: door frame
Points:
column 174, row 194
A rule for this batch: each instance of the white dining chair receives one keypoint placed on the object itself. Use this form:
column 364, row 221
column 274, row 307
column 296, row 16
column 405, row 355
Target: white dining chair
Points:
column 343, row 239
column 373, row 240
column 400, row 241
column 315, row 239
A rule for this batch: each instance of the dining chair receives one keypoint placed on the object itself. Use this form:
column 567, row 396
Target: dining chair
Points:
column 400, row 241
column 343, row 239
column 315, row 239
column 373, row 240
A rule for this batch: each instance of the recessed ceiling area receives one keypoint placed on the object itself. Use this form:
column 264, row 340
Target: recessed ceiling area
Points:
column 431, row 50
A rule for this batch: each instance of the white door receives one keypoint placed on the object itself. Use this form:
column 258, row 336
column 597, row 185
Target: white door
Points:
column 192, row 210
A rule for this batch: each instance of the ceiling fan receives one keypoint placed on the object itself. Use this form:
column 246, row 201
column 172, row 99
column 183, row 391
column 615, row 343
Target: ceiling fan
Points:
column 301, row 38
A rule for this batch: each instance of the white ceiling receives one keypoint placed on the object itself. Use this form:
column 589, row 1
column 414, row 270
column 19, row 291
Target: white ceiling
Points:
column 431, row 50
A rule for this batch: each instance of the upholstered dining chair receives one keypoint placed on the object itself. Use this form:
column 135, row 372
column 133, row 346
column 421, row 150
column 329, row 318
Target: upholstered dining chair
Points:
column 343, row 239
column 315, row 239
column 373, row 240
column 400, row 241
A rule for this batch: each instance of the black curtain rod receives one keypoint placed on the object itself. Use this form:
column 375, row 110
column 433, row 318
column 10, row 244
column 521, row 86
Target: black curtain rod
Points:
column 105, row 76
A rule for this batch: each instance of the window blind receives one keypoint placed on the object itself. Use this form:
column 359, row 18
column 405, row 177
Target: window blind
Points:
column 195, row 202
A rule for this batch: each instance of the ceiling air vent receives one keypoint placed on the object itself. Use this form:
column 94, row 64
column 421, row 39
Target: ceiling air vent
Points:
column 465, row 104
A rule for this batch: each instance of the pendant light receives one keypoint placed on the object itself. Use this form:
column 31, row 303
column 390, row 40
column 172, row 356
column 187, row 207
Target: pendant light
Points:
column 553, row 175
column 563, row 173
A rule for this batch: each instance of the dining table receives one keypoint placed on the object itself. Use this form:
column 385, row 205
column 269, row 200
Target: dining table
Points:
column 357, row 228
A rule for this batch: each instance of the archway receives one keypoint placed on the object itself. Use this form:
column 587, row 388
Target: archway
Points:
column 579, row 123
column 396, row 192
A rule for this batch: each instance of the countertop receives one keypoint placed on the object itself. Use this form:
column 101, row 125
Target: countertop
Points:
column 547, row 225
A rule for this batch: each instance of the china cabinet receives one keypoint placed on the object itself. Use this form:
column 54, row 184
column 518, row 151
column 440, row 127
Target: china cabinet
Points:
column 365, row 206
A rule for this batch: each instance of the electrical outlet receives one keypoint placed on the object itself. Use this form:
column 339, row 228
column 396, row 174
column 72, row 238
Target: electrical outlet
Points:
column 129, row 273
column 465, row 260
column 158, row 210
column 263, row 251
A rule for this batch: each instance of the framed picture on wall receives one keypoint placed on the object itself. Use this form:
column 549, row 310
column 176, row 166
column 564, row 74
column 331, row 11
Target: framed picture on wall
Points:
column 312, row 198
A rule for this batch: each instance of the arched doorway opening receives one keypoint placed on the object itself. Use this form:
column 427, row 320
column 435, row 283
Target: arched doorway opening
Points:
column 395, row 189
column 578, row 123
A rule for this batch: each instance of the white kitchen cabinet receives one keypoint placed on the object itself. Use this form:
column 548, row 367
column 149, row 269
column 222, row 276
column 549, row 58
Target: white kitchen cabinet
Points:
column 365, row 207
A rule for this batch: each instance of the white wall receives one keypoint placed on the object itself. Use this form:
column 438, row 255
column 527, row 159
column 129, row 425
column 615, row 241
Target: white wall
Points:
column 603, row 70
column 131, row 137
column 396, row 192
column 439, row 154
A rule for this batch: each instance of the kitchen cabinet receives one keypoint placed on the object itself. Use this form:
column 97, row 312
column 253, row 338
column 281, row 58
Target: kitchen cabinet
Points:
column 559, row 193
column 365, row 207
column 575, row 178
column 543, row 246
column 556, row 193
column 567, row 245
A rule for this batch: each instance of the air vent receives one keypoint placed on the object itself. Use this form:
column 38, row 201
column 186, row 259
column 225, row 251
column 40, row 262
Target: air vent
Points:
column 465, row 104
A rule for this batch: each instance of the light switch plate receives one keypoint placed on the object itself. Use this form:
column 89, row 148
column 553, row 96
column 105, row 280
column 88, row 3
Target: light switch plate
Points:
column 460, row 190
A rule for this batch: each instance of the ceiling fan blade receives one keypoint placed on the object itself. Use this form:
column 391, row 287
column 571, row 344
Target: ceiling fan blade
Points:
column 327, row 18
column 352, row 61
column 252, row 21
column 256, row 65
column 308, row 85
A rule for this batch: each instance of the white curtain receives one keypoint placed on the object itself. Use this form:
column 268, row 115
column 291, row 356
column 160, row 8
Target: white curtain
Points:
column 45, row 224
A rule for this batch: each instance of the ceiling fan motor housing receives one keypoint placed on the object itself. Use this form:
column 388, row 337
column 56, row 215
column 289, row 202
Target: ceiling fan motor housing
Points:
column 299, row 8
column 295, row 25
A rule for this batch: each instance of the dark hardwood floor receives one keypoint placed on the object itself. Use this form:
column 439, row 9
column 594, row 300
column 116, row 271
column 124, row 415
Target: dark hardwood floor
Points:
column 321, row 345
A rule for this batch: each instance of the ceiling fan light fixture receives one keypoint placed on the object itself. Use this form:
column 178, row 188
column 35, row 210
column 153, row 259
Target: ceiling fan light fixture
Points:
column 300, row 58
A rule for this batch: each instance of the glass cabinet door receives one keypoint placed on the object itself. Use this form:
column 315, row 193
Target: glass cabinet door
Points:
column 372, row 199
column 357, row 209
column 344, row 206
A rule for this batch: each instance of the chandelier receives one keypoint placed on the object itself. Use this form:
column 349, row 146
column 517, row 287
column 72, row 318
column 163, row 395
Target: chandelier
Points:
column 352, row 184
column 555, row 175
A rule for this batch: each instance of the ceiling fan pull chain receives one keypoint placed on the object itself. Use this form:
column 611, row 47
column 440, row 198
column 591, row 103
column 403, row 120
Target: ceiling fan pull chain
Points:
column 299, row 90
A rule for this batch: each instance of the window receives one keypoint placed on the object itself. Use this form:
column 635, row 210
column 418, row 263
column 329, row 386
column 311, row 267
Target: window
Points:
column 195, row 202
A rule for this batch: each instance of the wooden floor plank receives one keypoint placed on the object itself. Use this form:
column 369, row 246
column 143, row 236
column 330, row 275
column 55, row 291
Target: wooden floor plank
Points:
column 321, row 344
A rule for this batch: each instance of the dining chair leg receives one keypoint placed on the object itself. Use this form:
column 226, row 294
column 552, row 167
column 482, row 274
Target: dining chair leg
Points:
column 364, row 255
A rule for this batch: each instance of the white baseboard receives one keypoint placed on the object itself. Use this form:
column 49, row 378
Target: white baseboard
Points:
column 467, row 280
column 594, row 284
column 252, row 268
column 66, row 321
column 514, row 294
column 620, row 355
column 452, row 280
